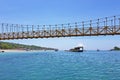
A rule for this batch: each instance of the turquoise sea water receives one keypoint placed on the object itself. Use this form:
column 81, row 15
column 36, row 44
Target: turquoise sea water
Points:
column 90, row 65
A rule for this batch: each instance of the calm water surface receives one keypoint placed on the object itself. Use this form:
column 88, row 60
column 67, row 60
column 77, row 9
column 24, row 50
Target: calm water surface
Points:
column 90, row 65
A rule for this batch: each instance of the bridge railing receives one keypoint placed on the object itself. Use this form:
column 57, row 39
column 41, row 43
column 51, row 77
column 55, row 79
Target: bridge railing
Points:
column 18, row 29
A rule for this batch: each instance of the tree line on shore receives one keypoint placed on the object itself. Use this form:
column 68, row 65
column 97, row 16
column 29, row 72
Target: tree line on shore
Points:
column 115, row 48
column 7, row 45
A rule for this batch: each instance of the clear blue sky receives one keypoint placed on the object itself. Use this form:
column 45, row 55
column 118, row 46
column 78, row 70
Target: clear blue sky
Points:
column 61, row 11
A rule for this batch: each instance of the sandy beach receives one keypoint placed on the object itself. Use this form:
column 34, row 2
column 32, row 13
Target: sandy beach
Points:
column 11, row 50
column 17, row 50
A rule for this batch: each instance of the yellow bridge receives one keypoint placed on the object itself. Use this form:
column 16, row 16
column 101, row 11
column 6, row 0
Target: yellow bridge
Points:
column 102, row 26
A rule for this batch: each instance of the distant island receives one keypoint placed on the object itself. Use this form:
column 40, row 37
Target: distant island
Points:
column 115, row 49
column 15, row 46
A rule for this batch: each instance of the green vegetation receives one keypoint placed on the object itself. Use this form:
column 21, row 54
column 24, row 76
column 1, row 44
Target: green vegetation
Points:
column 116, row 48
column 7, row 45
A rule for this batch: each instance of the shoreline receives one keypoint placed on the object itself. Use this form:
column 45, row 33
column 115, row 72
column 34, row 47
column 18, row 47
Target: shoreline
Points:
column 11, row 50
column 17, row 50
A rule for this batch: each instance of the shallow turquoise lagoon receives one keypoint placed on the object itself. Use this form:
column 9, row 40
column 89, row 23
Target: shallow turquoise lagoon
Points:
column 89, row 65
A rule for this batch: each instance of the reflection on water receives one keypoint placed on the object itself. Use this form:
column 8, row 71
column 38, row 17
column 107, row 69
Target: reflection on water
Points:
column 91, row 65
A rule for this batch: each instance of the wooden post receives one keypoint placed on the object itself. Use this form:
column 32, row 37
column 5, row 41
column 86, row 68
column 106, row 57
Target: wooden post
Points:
column 83, row 28
column 22, row 28
column 114, row 24
column 69, row 29
column 119, row 24
column 2, row 28
column 50, row 30
column 76, row 27
column 106, row 21
column 33, row 30
column 90, row 27
column 98, row 27
column 27, row 31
